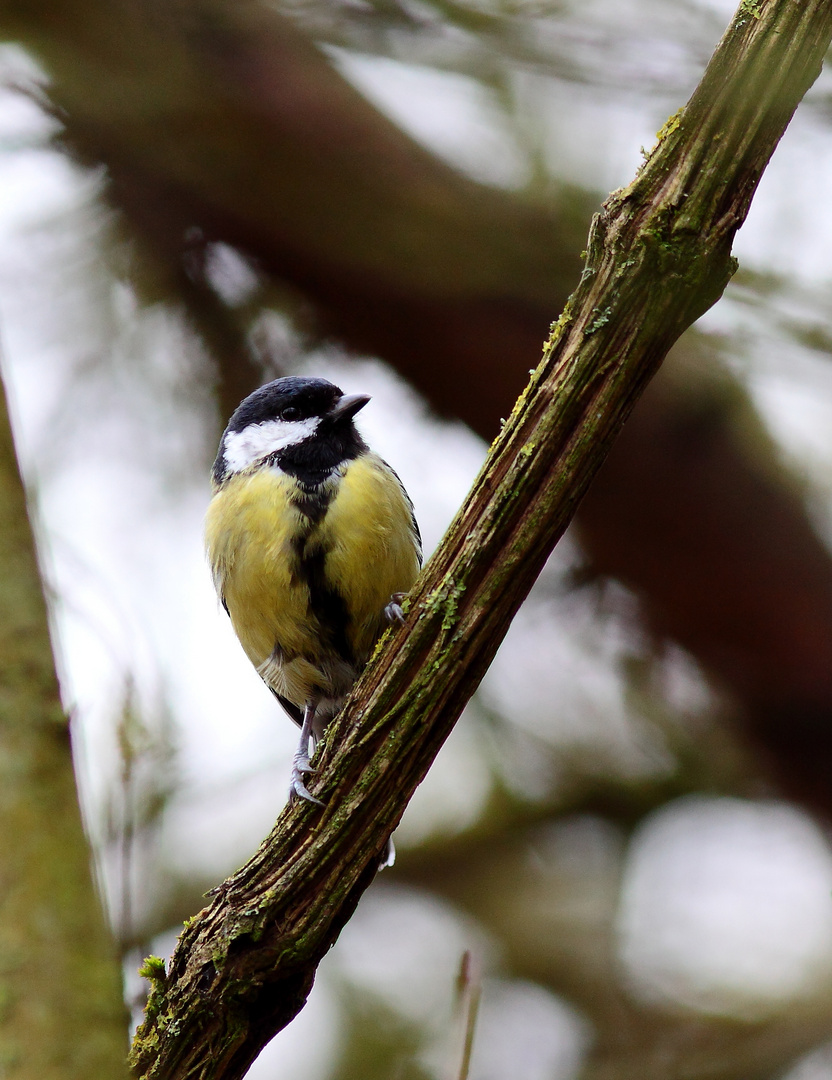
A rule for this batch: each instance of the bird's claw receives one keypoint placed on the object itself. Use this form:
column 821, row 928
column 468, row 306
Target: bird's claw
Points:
column 393, row 611
column 300, row 789
column 300, row 765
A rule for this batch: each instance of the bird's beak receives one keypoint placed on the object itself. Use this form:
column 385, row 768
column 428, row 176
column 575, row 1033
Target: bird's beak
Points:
column 347, row 406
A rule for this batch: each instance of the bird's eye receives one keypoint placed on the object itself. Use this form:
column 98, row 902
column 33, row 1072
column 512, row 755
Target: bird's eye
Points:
column 289, row 413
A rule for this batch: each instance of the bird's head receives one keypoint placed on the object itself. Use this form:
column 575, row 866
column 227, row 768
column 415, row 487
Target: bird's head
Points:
column 289, row 417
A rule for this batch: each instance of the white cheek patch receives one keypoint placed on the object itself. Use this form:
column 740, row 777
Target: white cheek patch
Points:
column 244, row 448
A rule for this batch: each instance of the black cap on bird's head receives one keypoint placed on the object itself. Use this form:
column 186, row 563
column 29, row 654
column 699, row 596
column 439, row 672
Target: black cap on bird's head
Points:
column 295, row 398
column 295, row 422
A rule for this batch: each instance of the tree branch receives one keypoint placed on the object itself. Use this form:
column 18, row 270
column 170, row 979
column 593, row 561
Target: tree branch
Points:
column 659, row 255
column 63, row 1015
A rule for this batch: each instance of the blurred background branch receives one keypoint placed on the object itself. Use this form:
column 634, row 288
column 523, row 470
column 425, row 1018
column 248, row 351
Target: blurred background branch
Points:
column 62, row 1012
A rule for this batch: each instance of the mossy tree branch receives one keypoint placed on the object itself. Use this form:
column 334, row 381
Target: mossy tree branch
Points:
column 658, row 256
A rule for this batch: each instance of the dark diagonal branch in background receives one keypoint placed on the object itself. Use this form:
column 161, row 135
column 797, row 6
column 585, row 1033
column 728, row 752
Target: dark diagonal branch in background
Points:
column 659, row 255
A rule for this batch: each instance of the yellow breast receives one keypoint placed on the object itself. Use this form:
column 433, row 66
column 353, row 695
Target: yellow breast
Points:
column 288, row 579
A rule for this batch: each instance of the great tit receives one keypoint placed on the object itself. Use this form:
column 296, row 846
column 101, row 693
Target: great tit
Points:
column 312, row 542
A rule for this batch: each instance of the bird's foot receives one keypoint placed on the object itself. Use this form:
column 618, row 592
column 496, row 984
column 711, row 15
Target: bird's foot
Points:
column 301, row 765
column 393, row 611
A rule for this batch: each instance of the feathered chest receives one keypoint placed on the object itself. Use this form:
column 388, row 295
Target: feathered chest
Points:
column 309, row 566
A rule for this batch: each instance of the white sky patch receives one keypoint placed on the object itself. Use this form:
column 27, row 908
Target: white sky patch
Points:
column 725, row 8
column 404, row 946
column 524, row 1030
column 789, row 227
column 726, row 906
column 244, row 448
column 453, row 115
column 559, row 115
column 454, row 792
column 559, row 677
column 309, row 1046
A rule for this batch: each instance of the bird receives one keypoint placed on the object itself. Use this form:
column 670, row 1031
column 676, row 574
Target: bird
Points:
column 312, row 543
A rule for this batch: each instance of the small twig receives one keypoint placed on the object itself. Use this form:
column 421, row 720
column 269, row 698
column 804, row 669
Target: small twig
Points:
column 469, row 992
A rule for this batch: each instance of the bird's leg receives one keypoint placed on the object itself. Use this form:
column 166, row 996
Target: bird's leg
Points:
column 393, row 611
column 300, row 762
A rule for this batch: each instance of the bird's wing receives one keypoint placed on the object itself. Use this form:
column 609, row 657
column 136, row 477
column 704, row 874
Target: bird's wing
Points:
column 414, row 523
column 294, row 711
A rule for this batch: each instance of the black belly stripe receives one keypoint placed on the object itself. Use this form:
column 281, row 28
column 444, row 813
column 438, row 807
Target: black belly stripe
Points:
column 312, row 502
column 326, row 604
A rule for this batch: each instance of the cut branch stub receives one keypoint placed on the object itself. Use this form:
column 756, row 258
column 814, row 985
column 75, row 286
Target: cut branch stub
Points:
column 658, row 256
